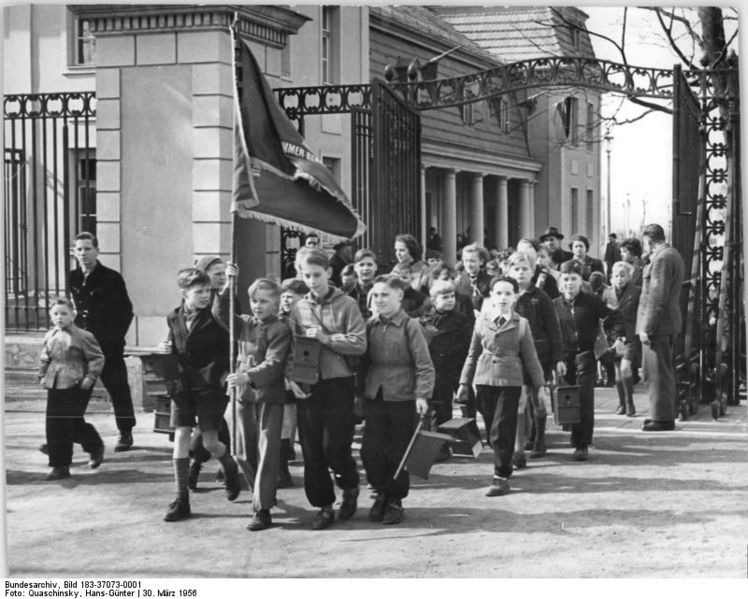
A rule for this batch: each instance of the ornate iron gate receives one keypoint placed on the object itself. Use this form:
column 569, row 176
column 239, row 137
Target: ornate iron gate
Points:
column 50, row 189
column 395, row 177
column 385, row 160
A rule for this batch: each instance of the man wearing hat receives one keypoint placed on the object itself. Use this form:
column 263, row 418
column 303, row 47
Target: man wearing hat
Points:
column 551, row 239
column 343, row 256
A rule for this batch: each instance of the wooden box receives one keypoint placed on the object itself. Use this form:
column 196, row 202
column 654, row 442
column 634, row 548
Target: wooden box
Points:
column 464, row 437
column 424, row 451
column 565, row 401
column 306, row 360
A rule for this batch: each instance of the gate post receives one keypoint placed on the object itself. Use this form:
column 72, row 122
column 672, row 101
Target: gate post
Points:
column 164, row 134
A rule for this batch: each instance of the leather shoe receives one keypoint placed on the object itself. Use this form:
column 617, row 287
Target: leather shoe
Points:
column 324, row 518
column 394, row 512
column 658, row 425
column 620, row 410
column 58, row 473
column 124, row 443
column 499, row 486
column 349, row 504
column 519, row 460
column 260, row 521
column 630, row 410
column 232, row 483
column 179, row 509
column 376, row 512
column 580, row 454
column 97, row 457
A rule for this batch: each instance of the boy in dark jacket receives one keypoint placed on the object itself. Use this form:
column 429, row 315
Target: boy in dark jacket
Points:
column 580, row 314
column 448, row 333
column 201, row 347
column 263, row 344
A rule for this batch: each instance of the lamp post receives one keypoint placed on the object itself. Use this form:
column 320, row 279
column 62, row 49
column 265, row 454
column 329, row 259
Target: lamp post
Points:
column 608, row 144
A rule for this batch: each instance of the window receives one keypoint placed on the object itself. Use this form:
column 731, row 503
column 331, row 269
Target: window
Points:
column 330, row 45
column 86, row 194
column 333, row 165
column 504, row 115
column 574, row 210
column 574, row 120
column 84, row 43
column 576, row 38
column 590, row 126
column 286, row 59
column 590, row 210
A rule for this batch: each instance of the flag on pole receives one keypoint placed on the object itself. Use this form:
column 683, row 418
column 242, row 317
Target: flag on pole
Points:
column 277, row 178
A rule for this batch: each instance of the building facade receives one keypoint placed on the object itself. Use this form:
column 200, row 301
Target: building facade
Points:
column 563, row 124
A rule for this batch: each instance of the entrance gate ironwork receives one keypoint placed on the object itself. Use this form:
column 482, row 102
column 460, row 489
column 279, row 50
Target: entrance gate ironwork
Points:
column 50, row 189
column 711, row 217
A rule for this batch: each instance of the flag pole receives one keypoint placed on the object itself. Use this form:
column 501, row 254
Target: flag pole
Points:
column 234, row 251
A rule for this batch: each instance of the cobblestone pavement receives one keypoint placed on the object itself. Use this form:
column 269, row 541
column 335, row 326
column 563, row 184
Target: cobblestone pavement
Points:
column 644, row 505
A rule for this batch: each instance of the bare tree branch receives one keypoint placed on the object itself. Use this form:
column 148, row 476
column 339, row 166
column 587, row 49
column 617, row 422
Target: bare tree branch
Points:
column 634, row 119
column 682, row 20
column 650, row 105
column 668, row 31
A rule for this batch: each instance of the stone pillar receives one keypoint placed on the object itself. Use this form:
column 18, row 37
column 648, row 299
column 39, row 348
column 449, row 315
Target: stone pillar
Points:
column 502, row 214
column 164, row 140
column 476, row 209
column 524, row 208
column 449, row 235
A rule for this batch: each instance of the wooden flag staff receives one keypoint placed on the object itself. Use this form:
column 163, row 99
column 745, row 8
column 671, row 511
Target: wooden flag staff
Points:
column 234, row 251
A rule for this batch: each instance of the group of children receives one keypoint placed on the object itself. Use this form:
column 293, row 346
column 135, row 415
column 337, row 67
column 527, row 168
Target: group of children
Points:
column 380, row 344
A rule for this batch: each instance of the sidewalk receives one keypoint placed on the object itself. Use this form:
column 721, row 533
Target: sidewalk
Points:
column 644, row 505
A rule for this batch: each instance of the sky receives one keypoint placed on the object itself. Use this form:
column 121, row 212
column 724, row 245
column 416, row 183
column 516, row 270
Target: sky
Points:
column 641, row 152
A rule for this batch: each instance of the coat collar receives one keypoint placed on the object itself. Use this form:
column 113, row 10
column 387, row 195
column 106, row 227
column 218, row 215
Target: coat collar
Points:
column 397, row 320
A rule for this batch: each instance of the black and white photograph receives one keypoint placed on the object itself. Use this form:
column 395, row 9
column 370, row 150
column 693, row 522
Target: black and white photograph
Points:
column 440, row 292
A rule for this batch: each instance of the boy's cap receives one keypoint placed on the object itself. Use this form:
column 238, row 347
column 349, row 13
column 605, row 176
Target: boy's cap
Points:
column 206, row 262
column 571, row 267
column 342, row 244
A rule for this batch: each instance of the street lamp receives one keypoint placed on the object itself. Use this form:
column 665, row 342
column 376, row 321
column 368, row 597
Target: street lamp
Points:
column 608, row 145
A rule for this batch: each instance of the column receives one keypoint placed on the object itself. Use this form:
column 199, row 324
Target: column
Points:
column 476, row 209
column 531, row 205
column 502, row 214
column 423, row 214
column 524, row 208
column 449, row 234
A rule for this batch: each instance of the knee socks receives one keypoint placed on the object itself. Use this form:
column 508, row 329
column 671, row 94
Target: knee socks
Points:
column 181, row 475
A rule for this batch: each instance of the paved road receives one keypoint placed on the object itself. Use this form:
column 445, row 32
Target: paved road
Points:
column 644, row 505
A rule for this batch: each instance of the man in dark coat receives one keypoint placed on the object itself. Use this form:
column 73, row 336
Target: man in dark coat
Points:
column 658, row 322
column 551, row 238
column 612, row 254
column 104, row 309
column 343, row 255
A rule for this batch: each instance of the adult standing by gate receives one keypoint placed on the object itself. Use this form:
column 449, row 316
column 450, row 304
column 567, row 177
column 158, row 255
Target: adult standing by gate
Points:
column 104, row 309
column 658, row 322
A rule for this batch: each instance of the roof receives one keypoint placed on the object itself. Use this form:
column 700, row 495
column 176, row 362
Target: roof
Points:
column 513, row 33
column 425, row 20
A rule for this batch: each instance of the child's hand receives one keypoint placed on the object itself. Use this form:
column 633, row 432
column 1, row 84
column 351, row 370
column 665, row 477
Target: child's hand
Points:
column 561, row 369
column 86, row 384
column 422, row 406
column 42, row 384
column 236, row 379
column 165, row 347
column 462, row 394
column 297, row 391
column 232, row 270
